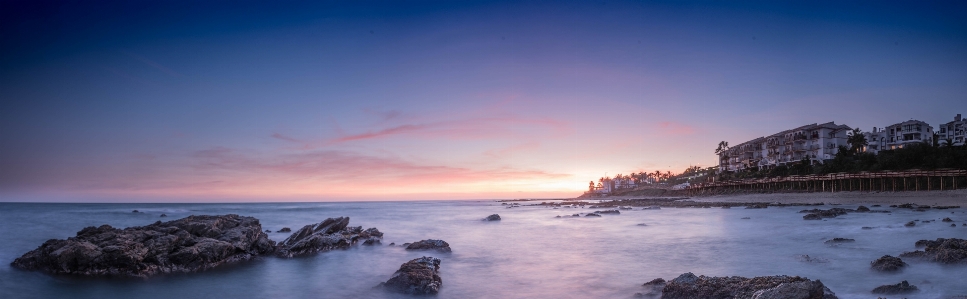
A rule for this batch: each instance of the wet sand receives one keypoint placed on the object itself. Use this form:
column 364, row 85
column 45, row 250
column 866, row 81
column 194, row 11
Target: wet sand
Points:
column 933, row 198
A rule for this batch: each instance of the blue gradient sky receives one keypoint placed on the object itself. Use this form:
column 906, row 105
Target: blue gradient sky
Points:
column 218, row 100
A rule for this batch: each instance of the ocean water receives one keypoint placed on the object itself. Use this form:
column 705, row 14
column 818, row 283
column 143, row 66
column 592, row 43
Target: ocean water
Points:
column 529, row 254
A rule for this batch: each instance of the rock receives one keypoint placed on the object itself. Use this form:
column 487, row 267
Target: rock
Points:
column 726, row 207
column 946, row 251
column 911, row 223
column 812, row 217
column 947, row 220
column 135, row 211
column 688, row 286
column 493, row 217
column 185, row 245
column 901, row 288
column 862, row 209
column 608, row 212
column 164, row 215
column 654, row 287
column 866, row 227
column 575, row 215
column 746, row 218
column 285, row 230
column 839, row 240
column 438, row 245
column 330, row 234
column 757, row 206
column 831, row 213
column 268, row 231
column 876, row 206
column 652, row 208
column 887, row 263
column 641, row 224
column 419, row 276
column 592, row 215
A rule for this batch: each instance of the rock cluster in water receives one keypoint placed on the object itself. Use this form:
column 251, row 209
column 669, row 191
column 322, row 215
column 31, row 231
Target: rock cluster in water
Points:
column 688, row 286
column 887, row 263
column 947, row 251
column 332, row 233
column 901, row 288
column 417, row 277
column 190, row 244
column 185, row 245
column 429, row 244
column 817, row 214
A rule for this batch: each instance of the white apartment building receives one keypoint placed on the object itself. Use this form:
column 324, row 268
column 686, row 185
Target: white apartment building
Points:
column 911, row 131
column 955, row 132
column 815, row 142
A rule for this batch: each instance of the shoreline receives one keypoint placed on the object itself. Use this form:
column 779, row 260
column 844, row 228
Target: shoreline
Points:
column 936, row 198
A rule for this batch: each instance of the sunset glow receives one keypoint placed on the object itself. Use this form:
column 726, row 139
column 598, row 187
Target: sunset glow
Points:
column 438, row 100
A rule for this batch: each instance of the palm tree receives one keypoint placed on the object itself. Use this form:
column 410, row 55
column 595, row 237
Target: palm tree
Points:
column 856, row 140
column 723, row 145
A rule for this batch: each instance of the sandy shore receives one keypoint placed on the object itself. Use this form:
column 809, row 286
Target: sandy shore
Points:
column 942, row 198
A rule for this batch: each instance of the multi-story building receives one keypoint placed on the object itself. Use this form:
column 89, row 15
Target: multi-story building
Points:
column 954, row 132
column 908, row 132
column 876, row 141
column 815, row 142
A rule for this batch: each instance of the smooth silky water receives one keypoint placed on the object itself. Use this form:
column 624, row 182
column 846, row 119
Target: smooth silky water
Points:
column 528, row 254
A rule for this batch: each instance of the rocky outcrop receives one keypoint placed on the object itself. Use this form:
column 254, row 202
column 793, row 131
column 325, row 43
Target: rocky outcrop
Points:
column 189, row 244
column 652, row 287
column 947, row 219
column 332, row 233
column 493, row 217
column 608, row 212
column 947, row 251
column 592, row 215
column 768, row 287
column 284, row 230
column 430, row 244
column 901, row 288
column 417, row 277
column 816, row 214
column 887, row 263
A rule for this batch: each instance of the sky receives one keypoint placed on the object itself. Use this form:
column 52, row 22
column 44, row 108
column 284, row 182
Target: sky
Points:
column 204, row 101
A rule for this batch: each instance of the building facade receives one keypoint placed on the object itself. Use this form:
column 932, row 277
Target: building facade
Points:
column 912, row 131
column 952, row 132
column 815, row 143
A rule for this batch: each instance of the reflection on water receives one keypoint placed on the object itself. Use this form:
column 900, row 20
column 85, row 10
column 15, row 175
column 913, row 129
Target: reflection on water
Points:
column 529, row 253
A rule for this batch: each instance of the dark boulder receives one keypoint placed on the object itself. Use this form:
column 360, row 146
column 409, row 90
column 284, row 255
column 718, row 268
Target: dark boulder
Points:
column 135, row 211
column 284, row 230
column 946, row 251
column 608, row 212
column 429, row 244
column 812, row 217
column 592, row 215
column 417, row 277
column 909, row 224
column 493, row 217
column 164, row 215
column 185, row 245
column 901, row 288
column 757, row 206
column 947, row 220
column 330, row 234
column 688, row 286
column 862, row 209
column 831, row 213
column 887, row 263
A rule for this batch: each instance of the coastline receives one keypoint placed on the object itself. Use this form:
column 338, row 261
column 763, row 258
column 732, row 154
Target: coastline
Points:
column 935, row 198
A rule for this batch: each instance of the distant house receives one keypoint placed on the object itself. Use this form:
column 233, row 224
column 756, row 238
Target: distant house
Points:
column 908, row 132
column 954, row 132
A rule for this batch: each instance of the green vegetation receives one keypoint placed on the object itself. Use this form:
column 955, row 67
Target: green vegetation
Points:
column 922, row 156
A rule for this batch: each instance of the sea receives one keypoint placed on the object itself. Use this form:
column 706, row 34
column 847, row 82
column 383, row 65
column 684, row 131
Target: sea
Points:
column 530, row 253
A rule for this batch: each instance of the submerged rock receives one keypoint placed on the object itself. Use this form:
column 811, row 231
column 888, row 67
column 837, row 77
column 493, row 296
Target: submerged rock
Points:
column 909, row 224
column 493, row 217
column 901, row 288
column 332, row 233
column 839, row 240
column 815, row 214
column 688, row 286
column 285, row 230
column 164, row 215
column 947, row 219
column 812, row 217
column 592, row 215
column 417, row 277
column 608, row 212
column 185, row 245
column 438, row 245
column 946, row 251
column 887, row 263
column 862, row 209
